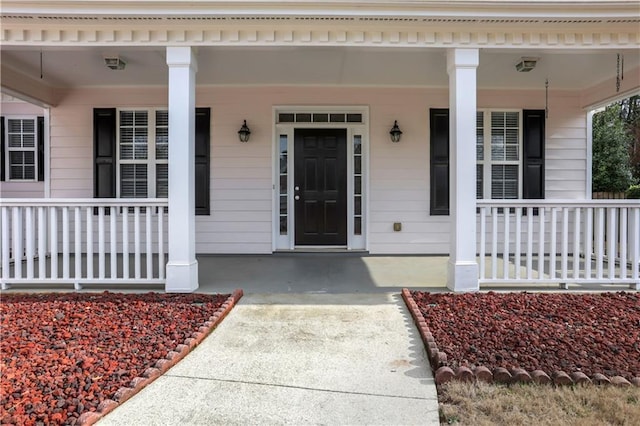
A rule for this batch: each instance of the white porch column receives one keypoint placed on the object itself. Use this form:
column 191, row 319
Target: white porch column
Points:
column 182, row 268
column 463, row 268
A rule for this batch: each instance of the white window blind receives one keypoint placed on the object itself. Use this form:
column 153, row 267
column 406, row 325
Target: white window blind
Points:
column 143, row 145
column 498, row 151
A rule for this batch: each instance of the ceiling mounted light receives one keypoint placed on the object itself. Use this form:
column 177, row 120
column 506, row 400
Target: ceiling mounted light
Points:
column 114, row 63
column 526, row 64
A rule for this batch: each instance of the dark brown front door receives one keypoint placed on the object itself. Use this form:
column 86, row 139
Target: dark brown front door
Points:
column 321, row 186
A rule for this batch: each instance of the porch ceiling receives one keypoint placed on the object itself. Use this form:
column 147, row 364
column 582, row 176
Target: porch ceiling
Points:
column 66, row 67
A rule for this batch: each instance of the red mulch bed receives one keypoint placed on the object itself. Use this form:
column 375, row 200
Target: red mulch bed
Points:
column 62, row 354
column 591, row 333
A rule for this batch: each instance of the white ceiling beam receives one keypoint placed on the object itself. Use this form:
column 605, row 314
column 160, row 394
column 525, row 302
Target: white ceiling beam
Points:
column 605, row 92
column 18, row 85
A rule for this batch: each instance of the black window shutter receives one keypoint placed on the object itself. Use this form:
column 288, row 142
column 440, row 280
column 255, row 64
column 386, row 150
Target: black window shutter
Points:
column 439, row 130
column 104, row 152
column 533, row 130
column 40, row 149
column 2, row 163
column 203, row 137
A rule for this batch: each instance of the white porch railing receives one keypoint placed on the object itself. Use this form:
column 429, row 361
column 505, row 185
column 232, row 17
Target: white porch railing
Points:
column 559, row 241
column 81, row 241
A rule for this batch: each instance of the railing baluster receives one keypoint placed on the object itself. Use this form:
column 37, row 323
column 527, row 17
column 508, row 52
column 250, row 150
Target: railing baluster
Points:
column 588, row 243
column 42, row 243
column 576, row 243
column 599, row 247
column 635, row 247
column 553, row 244
column 483, row 241
column 516, row 259
column 53, row 235
column 5, row 246
column 17, row 226
column 89, row 243
column 101, row 261
column 125, row 243
column 136, row 239
column 505, row 253
column 77, row 252
column 529, row 243
column 623, row 242
column 494, row 243
column 611, row 241
column 65, row 242
column 565, row 244
column 541, row 242
column 30, row 249
column 161, row 243
column 149, row 251
column 113, row 251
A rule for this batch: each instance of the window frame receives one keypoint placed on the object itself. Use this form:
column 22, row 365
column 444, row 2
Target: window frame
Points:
column 487, row 162
column 8, row 149
column 151, row 161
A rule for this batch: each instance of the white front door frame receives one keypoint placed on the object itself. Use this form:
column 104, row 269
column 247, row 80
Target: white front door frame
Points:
column 286, row 131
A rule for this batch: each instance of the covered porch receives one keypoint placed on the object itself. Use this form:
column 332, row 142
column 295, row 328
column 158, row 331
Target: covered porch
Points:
column 141, row 169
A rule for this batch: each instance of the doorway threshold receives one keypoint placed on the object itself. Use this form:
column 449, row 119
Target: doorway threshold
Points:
column 322, row 250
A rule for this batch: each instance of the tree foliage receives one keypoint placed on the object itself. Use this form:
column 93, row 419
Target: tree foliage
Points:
column 615, row 145
column 630, row 110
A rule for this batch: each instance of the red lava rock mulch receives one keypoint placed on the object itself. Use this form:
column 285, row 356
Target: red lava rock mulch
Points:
column 70, row 358
column 564, row 338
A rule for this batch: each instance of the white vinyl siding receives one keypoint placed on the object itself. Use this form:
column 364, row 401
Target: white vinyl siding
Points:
column 242, row 175
column 143, row 153
column 21, row 136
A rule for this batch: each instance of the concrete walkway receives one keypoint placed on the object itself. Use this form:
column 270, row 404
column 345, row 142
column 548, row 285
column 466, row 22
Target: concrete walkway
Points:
column 336, row 359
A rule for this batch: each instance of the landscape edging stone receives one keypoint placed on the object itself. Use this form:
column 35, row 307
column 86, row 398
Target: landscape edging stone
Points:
column 162, row 365
column 443, row 373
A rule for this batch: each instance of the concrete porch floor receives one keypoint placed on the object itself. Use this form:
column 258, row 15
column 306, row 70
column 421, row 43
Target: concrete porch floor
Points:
column 321, row 273
column 311, row 273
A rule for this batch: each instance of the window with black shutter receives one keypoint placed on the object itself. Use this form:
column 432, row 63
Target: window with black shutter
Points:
column 509, row 154
column 22, row 147
column 131, row 154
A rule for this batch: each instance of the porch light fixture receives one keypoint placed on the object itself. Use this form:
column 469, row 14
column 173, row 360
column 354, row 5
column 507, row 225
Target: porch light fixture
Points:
column 395, row 132
column 244, row 132
column 526, row 64
column 115, row 63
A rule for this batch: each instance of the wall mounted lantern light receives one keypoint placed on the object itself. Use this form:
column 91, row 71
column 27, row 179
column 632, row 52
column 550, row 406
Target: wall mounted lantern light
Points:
column 244, row 132
column 395, row 132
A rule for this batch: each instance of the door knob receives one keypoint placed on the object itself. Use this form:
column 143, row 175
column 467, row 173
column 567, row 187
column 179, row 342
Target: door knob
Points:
column 297, row 197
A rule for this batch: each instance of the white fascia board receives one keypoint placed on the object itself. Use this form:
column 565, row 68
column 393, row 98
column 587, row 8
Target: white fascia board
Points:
column 416, row 8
